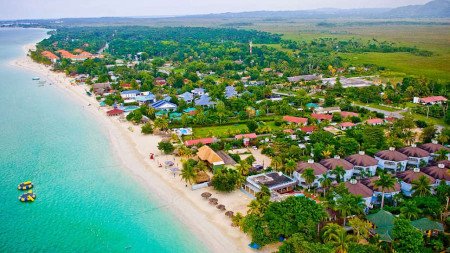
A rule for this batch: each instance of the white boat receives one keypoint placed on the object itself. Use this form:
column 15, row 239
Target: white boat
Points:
column 35, row 78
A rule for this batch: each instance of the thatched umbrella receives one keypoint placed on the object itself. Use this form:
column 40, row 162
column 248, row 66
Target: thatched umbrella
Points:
column 206, row 195
column 213, row 201
column 221, row 207
column 229, row 213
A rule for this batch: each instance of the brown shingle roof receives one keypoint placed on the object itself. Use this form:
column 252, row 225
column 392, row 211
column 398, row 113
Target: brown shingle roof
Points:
column 362, row 160
column 370, row 182
column 318, row 168
column 332, row 163
column 432, row 147
column 391, row 155
column 359, row 189
column 438, row 172
column 414, row 152
column 409, row 175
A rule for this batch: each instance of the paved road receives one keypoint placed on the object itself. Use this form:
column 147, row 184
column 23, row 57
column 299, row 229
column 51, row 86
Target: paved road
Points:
column 396, row 114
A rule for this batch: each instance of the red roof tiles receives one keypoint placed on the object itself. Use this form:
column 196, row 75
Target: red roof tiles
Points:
column 322, row 116
column 433, row 99
column 250, row 136
column 296, row 120
column 204, row 141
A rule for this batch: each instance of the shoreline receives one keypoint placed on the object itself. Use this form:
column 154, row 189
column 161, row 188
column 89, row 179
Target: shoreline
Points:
column 209, row 225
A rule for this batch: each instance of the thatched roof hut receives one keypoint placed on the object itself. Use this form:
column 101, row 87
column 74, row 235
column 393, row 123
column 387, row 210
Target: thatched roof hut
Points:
column 206, row 195
column 201, row 177
column 221, row 207
column 213, row 201
column 229, row 213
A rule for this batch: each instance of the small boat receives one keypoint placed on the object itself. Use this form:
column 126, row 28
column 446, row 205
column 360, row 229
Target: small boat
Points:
column 35, row 78
column 25, row 185
column 27, row 197
column 88, row 93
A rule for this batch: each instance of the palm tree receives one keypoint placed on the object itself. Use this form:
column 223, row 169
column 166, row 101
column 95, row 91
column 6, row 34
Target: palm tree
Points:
column 188, row 173
column 277, row 163
column 325, row 182
column 409, row 210
column 337, row 236
column 385, row 182
column 290, row 167
column 361, row 228
column 201, row 166
column 349, row 204
column 161, row 123
column 309, row 176
column 339, row 172
column 237, row 219
column 421, row 186
column 243, row 167
column 441, row 155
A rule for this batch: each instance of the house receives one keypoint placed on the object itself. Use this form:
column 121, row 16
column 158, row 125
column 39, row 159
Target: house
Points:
column 408, row 176
column 438, row 172
column 377, row 191
column 336, row 161
column 230, row 92
column 308, row 129
column 432, row 148
column 114, row 112
column 391, row 160
column 198, row 92
column 146, row 99
column 363, row 165
column 306, row 78
column 275, row 181
column 205, row 153
column 129, row 94
column 164, row 105
column 51, row 56
column 204, row 141
column 187, row 97
column 358, row 189
column 430, row 100
column 346, row 125
column 101, row 88
column 321, row 117
column 295, row 120
column 126, row 86
column 416, row 156
column 375, row 122
column 246, row 136
column 160, row 81
column 204, row 101
column 319, row 171
column 326, row 110
column 348, row 114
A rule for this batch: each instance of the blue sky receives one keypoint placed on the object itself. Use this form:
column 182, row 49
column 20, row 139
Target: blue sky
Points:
column 20, row 9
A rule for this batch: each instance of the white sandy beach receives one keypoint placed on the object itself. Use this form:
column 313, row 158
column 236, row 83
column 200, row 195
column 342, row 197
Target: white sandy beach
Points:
column 206, row 222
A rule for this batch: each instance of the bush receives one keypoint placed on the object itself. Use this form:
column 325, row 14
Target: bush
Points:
column 421, row 123
column 147, row 128
column 226, row 180
column 166, row 147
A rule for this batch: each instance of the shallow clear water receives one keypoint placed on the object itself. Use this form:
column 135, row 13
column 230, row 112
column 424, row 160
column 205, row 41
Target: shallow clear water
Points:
column 85, row 201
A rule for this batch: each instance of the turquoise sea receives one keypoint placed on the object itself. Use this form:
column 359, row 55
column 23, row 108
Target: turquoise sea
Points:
column 85, row 201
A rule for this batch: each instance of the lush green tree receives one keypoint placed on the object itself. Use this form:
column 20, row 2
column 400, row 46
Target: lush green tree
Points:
column 188, row 172
column 406, row 237
column 226, row 180
column 252, row 126
column 166, row 147
column 338, row 237
column 325, row 182
column 147, row 128
column 348, row 204
column 421, row 186
column 162, row 123
column 339, row 172
column 385, row 182
column 409, row 210
column 298, row 244
column 428, row 134
column 361, row 228
column 277, row 163
column 290, row 166
column 309, row 177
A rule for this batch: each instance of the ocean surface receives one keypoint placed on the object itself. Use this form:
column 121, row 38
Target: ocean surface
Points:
column 85, row 201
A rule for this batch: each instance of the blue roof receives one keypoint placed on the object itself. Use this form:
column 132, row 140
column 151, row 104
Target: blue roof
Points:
column 309, row 105
column 149, row 97
column 204, row 100
column 163, row 104
column 187, row 96
column 230, row 91
column 130, row 92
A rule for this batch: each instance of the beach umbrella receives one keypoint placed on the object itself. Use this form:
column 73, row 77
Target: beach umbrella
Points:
column 213, row 201
column 221, row 207
column 168, row 163
column 206, row 195
column 229, row 213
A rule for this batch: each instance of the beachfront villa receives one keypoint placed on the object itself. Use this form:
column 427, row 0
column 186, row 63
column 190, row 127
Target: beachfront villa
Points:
column 163, row 105
column 432, row 148
column 416, row 156
column 129, row 96
column 363, row 165
column 100, row 89
column 319, row 171
column 408, row 176
column 391, row 160
column 377, row 191
column 208, row 155
column 114, row 112
column 275, row 181
column 336, row 161
column 359, row 189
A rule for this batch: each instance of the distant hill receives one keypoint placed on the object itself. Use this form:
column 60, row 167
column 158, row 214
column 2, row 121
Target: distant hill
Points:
column 433, row 9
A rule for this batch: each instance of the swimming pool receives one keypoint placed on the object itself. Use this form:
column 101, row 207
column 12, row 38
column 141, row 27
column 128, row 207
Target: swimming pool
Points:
column 130, row 108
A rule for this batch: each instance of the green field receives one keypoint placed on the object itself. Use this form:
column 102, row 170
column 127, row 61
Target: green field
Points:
column 225, row 131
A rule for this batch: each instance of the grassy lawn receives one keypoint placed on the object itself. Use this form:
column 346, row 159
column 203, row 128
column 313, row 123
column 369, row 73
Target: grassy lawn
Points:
column 376, row 106
column 429, row 120
column 225, row 131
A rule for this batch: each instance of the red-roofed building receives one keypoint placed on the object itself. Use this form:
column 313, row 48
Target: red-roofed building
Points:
column 322, row 117
column 375, row 122
column 288, row 131
column 204, row 141
column 346, row 125
column 296, row 120
column 51, row 56
column 433, row 100
column 114, row 112
column 249, row 136
column 126, row 86
column 160, row 81
column 308, row 129
column 65, row 54
column 349, row 114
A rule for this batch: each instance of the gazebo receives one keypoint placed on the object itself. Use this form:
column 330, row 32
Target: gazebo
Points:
column 427, row 226
column 383, row 222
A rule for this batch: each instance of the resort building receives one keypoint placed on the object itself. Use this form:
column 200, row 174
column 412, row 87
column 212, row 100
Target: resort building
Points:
column 51, row 56
column 187, row 97
column 358, row 189
column 204, row 141
column 295, row 120
column 308, row 129
column 391, row 160
column 407, row 177
column 163, row 105
column 377, row 191
column 275, row 181
column 432, row 148
column 336, row 161
column 114, row 112
column 438, row 172
column 101, row 88
column 206, row 154
column 319, row 171
column 363, row 165
column 416, row 156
